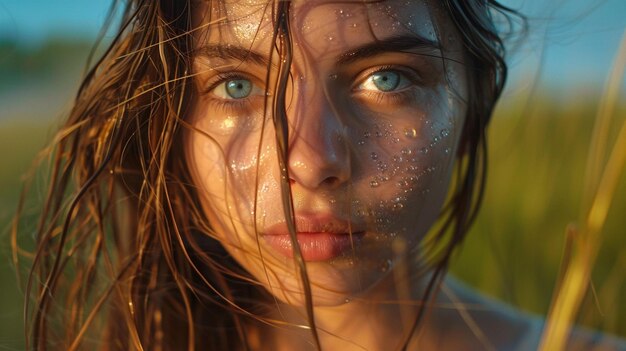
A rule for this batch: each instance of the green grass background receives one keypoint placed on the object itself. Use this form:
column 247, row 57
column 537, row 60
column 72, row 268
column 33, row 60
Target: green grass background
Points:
column 538, row 150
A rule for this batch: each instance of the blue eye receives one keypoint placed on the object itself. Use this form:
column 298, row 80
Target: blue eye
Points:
column 235, row 89
column 385, row 81
column 238, row 88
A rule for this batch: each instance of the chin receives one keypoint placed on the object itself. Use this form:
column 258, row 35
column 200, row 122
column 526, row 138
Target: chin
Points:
column 331, row 284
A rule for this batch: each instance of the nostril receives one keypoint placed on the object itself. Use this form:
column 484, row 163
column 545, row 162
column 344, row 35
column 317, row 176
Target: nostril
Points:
column 331, row 181
column 316, row 162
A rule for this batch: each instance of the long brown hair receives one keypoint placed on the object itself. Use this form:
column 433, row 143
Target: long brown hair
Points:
column 122, row 260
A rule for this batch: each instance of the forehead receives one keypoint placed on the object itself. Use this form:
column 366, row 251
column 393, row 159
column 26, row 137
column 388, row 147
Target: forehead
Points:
column 320, row 26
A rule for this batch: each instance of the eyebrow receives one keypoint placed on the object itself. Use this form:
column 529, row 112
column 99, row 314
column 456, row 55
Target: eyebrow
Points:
column 392, row 44
column 400, row 43
column 232, row 52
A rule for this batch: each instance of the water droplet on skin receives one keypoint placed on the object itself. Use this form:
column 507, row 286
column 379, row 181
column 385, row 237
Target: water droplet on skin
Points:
column 379, row 134
column 374, row 156
column 406, row 151
column 361, row 142
column 367, row 135
column 354, row 25
column 397, row 159
column 410, row 133
column 374, row 184
column 384, row 267
column 347, row 300
column 435, row 139
column 301, row 77
column 398, row 206
column 444, row 133
column 447, row 150
column 411, row 168
column 424, row 150
column 330, row 38
column 332, row 77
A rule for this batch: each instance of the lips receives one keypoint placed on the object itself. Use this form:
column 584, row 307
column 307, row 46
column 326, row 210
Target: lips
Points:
column 320, row 237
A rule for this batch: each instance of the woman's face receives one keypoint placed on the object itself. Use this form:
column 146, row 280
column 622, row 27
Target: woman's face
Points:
column 375, row 107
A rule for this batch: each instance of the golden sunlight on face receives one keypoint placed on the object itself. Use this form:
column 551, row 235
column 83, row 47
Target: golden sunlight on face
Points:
column 374, row 114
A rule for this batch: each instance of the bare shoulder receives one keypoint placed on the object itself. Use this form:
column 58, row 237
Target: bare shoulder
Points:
column 504, row 327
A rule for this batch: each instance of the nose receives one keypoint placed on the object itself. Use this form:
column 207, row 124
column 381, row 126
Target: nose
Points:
column 318, row 149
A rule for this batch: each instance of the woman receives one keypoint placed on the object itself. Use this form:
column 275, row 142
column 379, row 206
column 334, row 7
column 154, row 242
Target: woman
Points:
column 215, row 135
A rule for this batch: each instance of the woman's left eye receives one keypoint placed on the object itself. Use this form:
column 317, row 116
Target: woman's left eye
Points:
column 385, row 81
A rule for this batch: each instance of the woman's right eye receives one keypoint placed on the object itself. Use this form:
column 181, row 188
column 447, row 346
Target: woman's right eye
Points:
column 235, row 89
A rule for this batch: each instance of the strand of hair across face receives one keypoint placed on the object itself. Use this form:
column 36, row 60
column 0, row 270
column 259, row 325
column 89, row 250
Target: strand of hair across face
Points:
column 281, row 33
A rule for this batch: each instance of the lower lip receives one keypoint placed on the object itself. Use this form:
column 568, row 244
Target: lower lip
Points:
column 315, row 246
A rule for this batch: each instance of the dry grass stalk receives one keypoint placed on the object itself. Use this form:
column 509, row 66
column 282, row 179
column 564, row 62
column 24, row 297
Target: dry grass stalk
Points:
column 599, row 194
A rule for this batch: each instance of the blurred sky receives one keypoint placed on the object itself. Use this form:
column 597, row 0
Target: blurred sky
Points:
column 580, row 37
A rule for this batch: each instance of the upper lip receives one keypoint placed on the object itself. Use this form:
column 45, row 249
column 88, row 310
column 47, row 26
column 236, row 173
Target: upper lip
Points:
column 316, row 223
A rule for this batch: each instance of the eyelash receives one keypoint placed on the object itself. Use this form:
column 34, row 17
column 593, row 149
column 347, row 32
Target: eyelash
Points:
column 228, row 105
column 391, row 97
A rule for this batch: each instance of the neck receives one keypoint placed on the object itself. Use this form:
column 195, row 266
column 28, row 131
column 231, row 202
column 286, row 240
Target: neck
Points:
column 380, row 319
column 383, row 319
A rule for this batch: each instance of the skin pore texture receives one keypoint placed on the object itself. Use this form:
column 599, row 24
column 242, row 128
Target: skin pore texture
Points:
column 376, row 105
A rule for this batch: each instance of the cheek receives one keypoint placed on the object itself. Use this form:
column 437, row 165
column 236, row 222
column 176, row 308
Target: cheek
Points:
column 404, row 161
column 226, row 163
